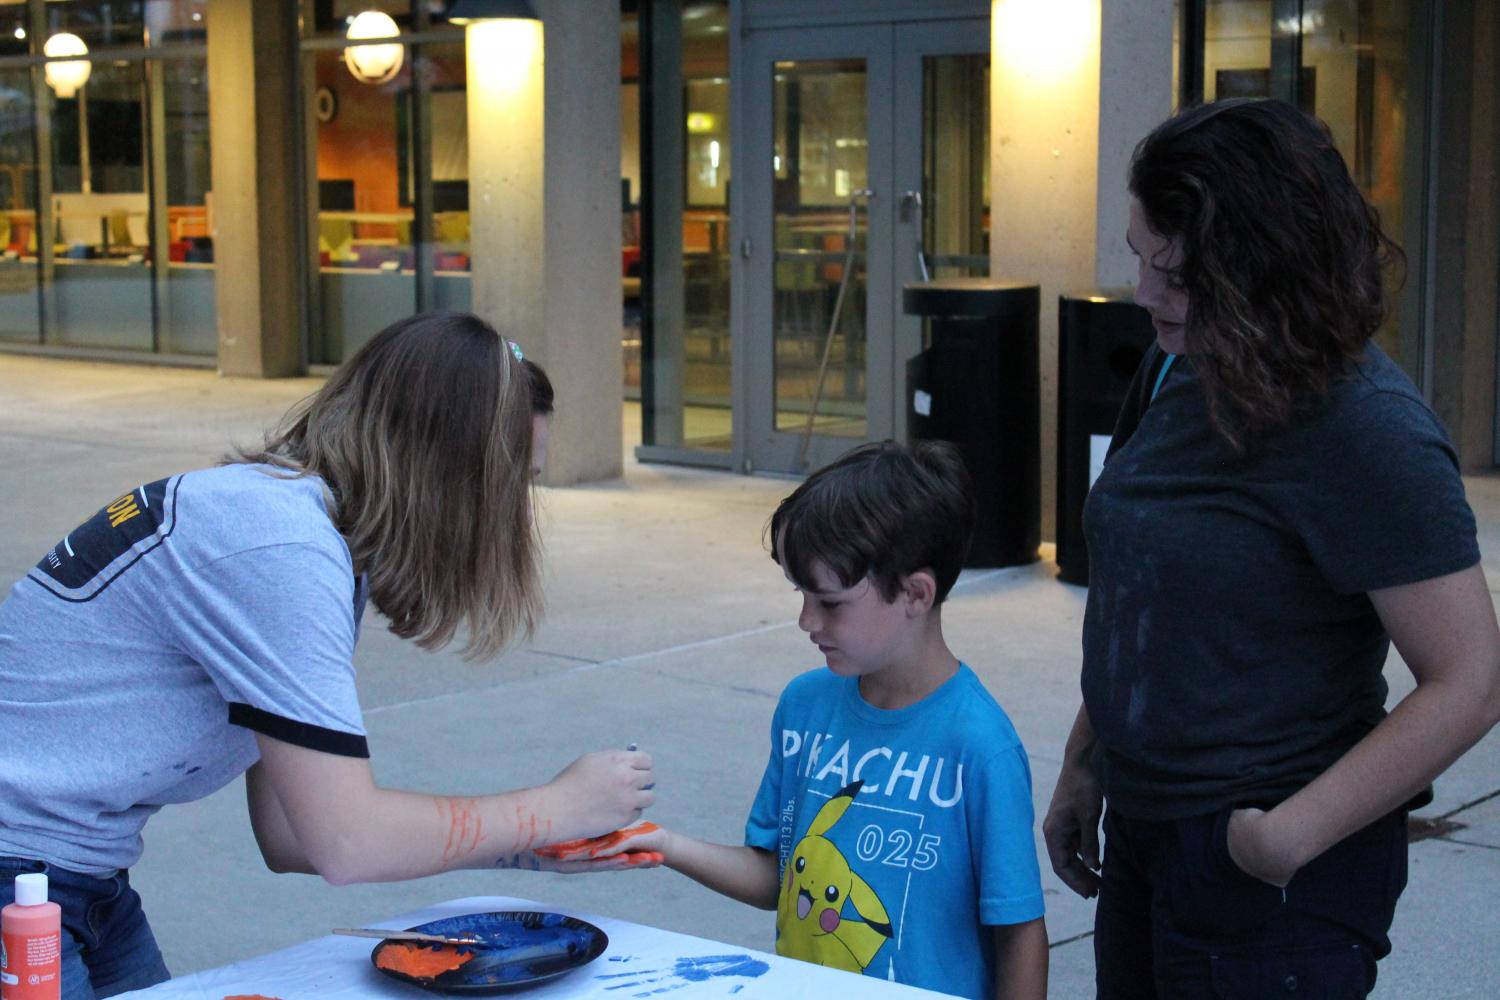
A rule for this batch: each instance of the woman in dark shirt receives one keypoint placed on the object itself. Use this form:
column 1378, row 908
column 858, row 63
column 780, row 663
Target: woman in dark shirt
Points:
column 1279, row 504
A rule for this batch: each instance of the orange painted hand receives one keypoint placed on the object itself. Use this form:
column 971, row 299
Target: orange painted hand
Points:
column 636, row 846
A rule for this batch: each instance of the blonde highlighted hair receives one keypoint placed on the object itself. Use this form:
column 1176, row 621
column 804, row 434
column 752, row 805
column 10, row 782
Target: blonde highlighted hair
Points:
column 424, row 437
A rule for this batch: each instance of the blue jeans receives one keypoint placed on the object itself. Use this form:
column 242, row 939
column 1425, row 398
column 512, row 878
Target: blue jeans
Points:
column 1177, row 920
column 107, row 945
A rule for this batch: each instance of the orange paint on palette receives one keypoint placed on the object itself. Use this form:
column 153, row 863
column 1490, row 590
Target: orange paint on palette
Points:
column 594, row 846
column 420, row 961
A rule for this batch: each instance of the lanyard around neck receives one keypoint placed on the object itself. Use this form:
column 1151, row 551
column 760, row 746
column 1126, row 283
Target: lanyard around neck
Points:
column 1161, row 376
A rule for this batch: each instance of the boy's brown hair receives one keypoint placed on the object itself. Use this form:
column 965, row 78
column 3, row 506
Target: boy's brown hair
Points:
column 882, row 510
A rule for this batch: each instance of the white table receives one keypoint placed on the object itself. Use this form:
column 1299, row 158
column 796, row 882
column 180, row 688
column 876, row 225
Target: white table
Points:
column 640, row 961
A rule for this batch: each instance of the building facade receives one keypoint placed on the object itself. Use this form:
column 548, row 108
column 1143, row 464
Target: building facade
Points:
column 706, row 207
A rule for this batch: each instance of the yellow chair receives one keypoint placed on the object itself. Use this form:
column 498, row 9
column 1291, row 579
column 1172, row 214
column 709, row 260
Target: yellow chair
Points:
column 452, row 227
column 336, row 238
column 119, row 229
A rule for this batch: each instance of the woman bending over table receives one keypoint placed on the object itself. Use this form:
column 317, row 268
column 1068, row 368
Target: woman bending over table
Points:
column 203, row 626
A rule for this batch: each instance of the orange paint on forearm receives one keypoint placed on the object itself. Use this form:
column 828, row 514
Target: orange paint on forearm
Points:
column 420, row 961
column 465, row 826
column 592, row 847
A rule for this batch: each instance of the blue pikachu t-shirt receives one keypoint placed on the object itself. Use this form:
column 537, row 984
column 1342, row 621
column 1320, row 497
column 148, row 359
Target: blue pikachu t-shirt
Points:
column 901, row 835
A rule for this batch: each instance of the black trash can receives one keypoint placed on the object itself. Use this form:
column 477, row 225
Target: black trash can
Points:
column 977, row 386
column 1101, row 337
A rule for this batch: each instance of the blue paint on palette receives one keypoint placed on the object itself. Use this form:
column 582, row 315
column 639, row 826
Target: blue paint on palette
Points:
column 690, row 970
column 518, row 949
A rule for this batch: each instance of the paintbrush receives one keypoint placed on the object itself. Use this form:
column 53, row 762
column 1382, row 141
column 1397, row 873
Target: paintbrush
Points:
column 376, row 932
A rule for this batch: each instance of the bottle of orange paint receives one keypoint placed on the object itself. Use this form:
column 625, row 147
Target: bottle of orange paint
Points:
column 31, row 933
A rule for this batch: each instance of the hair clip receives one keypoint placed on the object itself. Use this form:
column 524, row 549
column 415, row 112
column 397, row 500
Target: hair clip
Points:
column 515, row 349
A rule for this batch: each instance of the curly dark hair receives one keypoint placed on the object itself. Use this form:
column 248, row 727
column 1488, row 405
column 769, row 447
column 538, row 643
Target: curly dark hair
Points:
column 1283, row 259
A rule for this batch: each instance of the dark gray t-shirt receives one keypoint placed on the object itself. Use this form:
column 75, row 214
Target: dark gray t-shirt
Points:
column 1230, row 650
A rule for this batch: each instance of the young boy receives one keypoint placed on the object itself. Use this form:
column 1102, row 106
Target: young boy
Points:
column 892, row 832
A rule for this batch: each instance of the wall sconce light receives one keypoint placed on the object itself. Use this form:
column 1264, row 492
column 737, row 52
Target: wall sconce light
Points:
column 373, row 63
column 470, row 11
column 66, row 77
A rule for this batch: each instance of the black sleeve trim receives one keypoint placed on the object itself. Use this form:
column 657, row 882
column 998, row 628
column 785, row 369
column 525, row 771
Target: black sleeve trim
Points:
column 300, row 734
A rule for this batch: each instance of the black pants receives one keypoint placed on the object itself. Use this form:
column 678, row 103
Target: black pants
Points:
column 1177, row 919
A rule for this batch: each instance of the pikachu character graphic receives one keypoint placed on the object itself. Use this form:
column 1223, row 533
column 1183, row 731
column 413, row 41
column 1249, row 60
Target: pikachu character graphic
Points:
column 810, row 921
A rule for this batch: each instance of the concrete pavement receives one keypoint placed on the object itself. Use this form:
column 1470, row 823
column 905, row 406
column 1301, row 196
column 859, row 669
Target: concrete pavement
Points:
column 668, row 625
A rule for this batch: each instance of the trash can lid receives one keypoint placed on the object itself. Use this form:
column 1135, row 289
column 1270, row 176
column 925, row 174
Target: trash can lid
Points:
column 1110, row 294
column 968, row 297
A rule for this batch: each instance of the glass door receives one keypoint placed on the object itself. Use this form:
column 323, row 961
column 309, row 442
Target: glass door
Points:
column 942, row 227
column 867, row 168
column 818, row 249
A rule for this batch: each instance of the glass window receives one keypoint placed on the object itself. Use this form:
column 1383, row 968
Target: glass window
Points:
column 101, row 24
column 188, row 317
column 20, row 318
column 366, row 274
column 820, row 160
column 105, row 177
column 1355, row 74
column 956, row 165
column 102, row 288
column 448, row 204
column 391, row 169
column 1358, row 56
column 678, row 359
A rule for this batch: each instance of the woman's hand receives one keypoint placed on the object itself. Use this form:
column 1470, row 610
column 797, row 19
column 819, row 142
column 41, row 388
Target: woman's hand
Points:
column 600, row 792
column 1258, row 849
column 1071, row 829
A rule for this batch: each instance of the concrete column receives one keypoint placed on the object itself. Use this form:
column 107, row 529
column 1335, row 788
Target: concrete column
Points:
column 1044, row 171
column 507, row 179
column 252, row 63
column 1135, row 95
column 544, row 202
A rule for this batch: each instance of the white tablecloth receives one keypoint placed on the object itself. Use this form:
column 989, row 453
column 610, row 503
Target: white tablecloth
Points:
column 641, row 961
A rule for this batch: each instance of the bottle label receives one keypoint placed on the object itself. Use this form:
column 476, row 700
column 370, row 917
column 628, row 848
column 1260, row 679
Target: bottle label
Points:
column 29, row 966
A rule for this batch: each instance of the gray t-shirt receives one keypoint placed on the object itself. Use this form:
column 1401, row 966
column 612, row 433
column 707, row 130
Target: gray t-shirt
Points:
column 1230, row 650
column 137, row 657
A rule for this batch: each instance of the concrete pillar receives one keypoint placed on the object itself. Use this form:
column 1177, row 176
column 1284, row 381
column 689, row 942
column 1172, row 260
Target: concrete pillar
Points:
column 1135, row 95
column 544, row 202
column 1044, row 171
column 252, row 62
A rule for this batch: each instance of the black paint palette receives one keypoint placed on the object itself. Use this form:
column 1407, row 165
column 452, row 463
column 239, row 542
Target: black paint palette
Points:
column 518, row 949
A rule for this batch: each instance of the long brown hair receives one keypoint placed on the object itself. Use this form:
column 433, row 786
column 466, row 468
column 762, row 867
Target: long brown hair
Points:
column 424, row 439
column 1283, row 258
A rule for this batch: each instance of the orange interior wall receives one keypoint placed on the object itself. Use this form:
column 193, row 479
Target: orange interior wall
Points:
column 360, row 143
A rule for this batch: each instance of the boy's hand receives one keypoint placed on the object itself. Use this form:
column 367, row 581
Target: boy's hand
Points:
column 637, row 844
column 538, row 861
